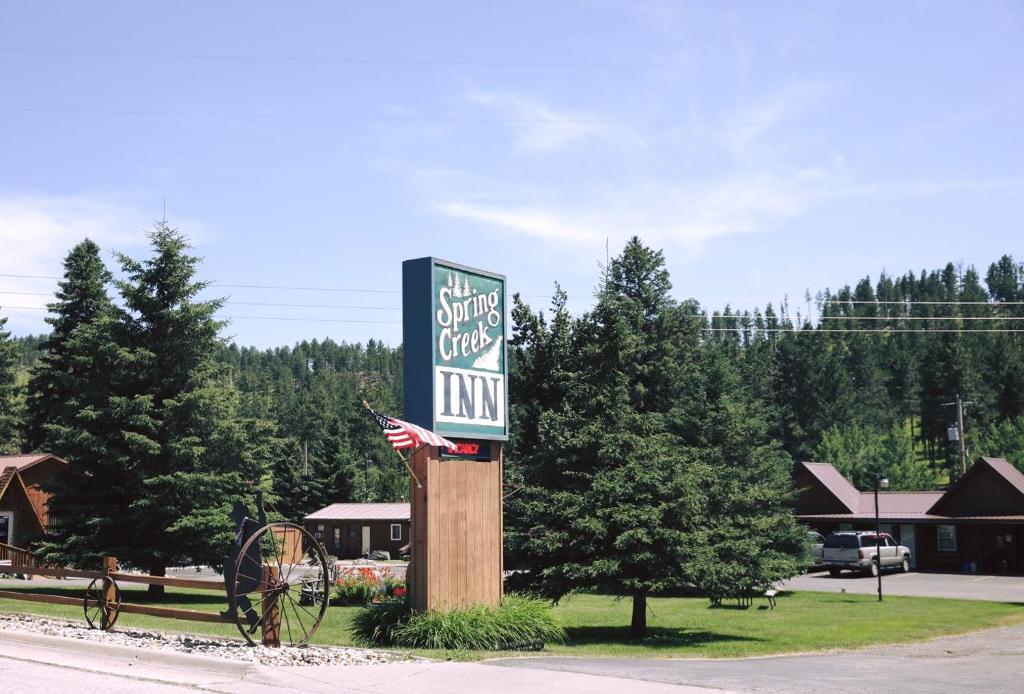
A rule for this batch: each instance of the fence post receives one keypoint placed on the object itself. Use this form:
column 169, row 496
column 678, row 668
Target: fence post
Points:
column 109, row 597
column 271, row 625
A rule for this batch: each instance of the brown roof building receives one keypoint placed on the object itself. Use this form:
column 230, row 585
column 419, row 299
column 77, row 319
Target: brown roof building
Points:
column 24, row 516
column 354, row 530
column 975, row 526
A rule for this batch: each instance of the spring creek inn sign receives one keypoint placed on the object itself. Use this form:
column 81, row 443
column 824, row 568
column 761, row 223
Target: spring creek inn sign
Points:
column 455, row 368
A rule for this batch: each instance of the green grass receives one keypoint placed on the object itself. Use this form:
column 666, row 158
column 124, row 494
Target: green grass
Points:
column 598, row 625
column 687, row 627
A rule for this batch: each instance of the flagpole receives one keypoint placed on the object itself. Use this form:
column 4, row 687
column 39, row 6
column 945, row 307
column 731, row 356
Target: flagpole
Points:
column 400, row 456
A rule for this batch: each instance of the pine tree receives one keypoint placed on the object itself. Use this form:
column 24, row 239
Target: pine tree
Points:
column 11, row 408
column 648, row 472
column 189, row 457
column 58, row 380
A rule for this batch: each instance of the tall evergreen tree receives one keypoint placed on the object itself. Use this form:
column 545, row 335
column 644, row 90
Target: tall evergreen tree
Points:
column 623, row 494
column 11, row 408
column 58, row 380
column 187, row 465
column 159, row 454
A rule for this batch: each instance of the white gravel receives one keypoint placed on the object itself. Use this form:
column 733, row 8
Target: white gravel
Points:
column 198, row 644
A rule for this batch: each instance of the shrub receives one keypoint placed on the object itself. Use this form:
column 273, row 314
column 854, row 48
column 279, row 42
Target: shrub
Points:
column 519, row 623
column 376, row 622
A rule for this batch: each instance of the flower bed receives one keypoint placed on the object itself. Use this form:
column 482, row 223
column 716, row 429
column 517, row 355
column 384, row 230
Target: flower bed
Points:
column 361, row 585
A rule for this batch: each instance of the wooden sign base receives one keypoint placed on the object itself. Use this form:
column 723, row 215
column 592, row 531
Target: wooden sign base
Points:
column 457, row 531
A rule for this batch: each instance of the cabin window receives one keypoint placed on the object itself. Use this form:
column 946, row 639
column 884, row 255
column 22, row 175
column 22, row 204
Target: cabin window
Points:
column 337, row 536
column 946, row 538
column 351, row 532
column 396, row 531
column 319, row 534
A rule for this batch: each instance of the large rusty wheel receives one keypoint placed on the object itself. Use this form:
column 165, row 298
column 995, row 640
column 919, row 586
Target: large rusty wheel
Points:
column 102, row 603
column 281, row 567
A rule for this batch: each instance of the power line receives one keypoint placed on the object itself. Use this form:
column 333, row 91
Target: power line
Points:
column 736, row 316
column 867, row 302
column 574, row 65
column 395, row 118
column 801, row 331
column 795, row 331
column 360, row 308
column 32, row 277
column 311, row 320
column 307, row 289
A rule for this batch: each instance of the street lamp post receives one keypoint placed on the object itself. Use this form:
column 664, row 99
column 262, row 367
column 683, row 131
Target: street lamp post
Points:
column 882, row 482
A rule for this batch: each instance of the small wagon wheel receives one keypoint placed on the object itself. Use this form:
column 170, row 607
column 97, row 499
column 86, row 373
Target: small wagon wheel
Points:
column 102, row 603
column 281, row 567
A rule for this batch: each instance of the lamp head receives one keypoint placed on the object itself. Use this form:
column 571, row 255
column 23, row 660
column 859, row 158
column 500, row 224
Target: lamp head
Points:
column 883, row 483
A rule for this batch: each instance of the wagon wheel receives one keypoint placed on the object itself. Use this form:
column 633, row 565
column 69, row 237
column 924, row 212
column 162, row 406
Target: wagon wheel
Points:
column 281, row 567
column 102, row 603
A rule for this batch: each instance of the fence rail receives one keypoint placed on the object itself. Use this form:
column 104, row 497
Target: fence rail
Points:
column 169, row 581
column 15, row 556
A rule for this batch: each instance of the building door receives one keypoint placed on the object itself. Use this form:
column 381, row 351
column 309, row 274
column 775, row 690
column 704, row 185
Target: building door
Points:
column 6, row 528
column 366, row 540
column 909, row 540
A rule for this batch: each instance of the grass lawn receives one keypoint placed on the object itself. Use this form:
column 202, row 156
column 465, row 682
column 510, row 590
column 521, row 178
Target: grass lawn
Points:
column 678, row 627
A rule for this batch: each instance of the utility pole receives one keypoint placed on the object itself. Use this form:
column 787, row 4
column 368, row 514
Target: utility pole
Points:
column 366, row 480
column 305, row 458
column 959, row 430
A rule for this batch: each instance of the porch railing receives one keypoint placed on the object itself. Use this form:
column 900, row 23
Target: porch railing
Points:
column 15, row 556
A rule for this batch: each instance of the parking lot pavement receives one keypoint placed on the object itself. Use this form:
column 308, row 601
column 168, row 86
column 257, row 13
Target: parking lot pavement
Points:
column 982, row 662
column 933, row 585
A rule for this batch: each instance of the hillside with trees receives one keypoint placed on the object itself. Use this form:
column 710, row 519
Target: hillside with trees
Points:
column 713, row 407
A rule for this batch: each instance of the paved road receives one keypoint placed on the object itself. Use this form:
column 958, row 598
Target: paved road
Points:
column 998, row 588
column 31, row 664
column 20, row 677
column 988, row 661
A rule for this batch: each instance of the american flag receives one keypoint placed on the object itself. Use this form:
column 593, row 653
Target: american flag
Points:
column 405, row 435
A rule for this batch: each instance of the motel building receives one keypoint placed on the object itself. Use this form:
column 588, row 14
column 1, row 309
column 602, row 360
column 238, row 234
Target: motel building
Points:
column 976, row 526
column 351, row 531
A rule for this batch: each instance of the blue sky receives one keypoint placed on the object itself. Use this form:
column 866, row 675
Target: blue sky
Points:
column 768, row 148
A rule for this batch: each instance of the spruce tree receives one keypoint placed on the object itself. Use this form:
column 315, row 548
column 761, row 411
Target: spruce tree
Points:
column 60, row 378
column 11, row 408
column 189, row 458
column 650, row 469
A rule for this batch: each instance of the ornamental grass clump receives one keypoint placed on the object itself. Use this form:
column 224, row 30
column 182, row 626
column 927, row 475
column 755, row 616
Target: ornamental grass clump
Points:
column 519, row 623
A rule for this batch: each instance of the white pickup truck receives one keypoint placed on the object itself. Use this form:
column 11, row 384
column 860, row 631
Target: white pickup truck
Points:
column 857, row 551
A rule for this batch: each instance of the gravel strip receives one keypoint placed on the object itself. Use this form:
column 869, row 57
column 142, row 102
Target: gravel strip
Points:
column 199, row 645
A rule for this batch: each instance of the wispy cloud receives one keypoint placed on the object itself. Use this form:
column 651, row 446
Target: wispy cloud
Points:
column 538, row 126
column 686, row 218
column 680, row 216
column 750, row 125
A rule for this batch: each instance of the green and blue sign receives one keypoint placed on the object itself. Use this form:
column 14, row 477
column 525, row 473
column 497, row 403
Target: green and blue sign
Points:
column 453, row 320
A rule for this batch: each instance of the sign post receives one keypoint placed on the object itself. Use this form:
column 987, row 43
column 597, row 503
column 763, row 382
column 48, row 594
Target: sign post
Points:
column 455, row 383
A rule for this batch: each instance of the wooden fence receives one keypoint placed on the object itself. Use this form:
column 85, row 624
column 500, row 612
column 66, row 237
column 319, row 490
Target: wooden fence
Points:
column 21, row 563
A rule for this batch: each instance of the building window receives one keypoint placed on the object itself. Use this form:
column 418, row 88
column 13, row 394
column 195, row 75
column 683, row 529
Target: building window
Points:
column 946, row 538
column 319, row 534
column 337, row 536
column 396, row 531
column 351, row 532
